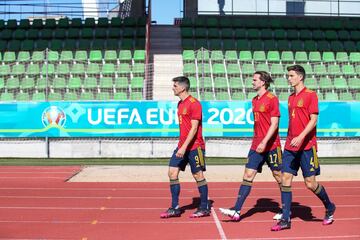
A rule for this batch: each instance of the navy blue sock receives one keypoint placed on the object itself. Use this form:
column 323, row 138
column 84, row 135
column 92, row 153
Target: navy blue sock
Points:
column 323, row 196
column 203, row 190
column 286, row 199
column 244, row 191
column 175, row 192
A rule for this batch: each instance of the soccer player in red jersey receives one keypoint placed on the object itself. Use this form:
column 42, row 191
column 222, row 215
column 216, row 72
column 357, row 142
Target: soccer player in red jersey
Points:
column 301, row 147
column 190, row 150
column 266, row 142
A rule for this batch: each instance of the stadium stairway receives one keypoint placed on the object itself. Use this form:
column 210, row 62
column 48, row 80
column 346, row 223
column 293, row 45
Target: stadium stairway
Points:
column 166, row 54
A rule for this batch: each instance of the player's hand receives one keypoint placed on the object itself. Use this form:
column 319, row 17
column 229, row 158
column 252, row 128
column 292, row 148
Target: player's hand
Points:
column 296, row 141
column 261, row 147
column 180, row 153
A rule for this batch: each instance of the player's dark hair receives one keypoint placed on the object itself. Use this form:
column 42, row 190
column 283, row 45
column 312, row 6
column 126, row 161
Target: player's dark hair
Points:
column 265, row 77
column 183, row 81
column 298, row 69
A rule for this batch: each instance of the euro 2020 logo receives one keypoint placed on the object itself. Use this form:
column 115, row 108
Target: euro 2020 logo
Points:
column 53, row 116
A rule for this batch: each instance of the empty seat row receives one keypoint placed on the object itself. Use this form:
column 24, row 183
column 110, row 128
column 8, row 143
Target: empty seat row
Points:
column 13, row 24
column 70, row 56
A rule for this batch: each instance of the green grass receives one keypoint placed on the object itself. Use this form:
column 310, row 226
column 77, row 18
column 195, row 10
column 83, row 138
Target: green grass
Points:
column 141, row 161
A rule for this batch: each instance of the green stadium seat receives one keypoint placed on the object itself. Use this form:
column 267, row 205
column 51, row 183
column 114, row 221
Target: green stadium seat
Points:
column 84, row 44
column 251, row 95
column 345, row 96
column 11, row 24
column 238, row 96
column 248, row 83
column 277, row 69
column 33, row 69
column 24, row 24
column 138, row 69
column 269, row 45
column 188, row 55
column 259, row 56
column 315, row 57
column 292, row 34
column 93, row 69
column 108, row 69
column 125, row 55
column 53, row 56
column 2, row 84
column 39, row 96
column 100, row 33
column 9, row 57
column 70, row 44
column 6, row 34
column 18, row 69
column 325, row 83
column 124, row 69
column 283, row 45
column 281, row 83
column 139, row 56
column 273, row 56
column 328, row 57
column 136, row 95
column 110, row 56
column 121, row 83
column 3, row 45
column 357, row 96
column 220, row 83
column 226, row 33
column 248, row 69
column 342, row 57
column 311, row 83
column 50, row 23
column 340, row 83
column 95, row 56
column 90, row 83
column 7, row 97
column 236, row 83
column 301, row 57
column 114, row 33
column 222, row 95
column 217, row 56
column 12, row 84
column 262, row 67
column 213, row 33
column 310, row 45
column 205, row 82
column 283, row 96
column 32, row 34
column 78, row 69
column 86, row 33
column 55, row 96
column 59, row 84
column 242, row 44
column 63, row 69
column 71, row 96
column 233, row 69
column 74, row 84
column 66, row 56
column 354, row 84
column 103, row 96
column 23, row 56
column 305, row 34
column 348, row 70
column 330, row 96
column 297, row 45
column 120, row 96
column 354, row 57
column 23, row 97
column 256, row 45
column 349, row 46
column 334, row 70
column 81, row 56
column 287, row 57
column 218, row 69
column 106, row 83
column 19, row 34
column 41, row 84
column 103, row 22
column 27, row 84
column 245, row 56
column 5, row 70
column 87, row 96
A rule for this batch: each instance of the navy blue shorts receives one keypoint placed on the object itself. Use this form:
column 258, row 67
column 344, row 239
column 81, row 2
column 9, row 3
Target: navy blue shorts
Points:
column 195, row 158
column 306, row 159
column 272, row 158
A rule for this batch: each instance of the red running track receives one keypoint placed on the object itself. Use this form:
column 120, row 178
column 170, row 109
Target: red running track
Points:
column 38, row 203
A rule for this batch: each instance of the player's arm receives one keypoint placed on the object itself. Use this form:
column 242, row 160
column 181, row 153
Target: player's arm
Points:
column 274, row 124
column 310, row 126
column 189, row 138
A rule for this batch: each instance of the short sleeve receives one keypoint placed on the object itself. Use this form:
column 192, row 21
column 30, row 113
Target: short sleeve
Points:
column 275, row 112
column 313, row 106
column 196, row 111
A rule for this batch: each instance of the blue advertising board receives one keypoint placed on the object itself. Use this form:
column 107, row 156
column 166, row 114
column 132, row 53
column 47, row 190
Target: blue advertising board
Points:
column 156, row 119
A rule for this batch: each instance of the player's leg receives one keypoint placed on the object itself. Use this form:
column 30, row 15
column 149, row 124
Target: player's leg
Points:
column 196, row 160
column 254, row 165
column 290, row 166
column 175, row 165
column 311, row 168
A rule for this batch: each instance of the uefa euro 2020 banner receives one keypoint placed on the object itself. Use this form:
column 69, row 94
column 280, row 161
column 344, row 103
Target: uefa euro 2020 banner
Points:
column 157, row 119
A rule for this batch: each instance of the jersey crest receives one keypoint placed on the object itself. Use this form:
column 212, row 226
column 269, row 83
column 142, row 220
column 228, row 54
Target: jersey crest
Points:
column 262, row 108
column 300, row 103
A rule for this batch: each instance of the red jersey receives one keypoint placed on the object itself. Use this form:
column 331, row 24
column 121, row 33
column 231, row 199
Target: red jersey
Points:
column 190, row 109
column 301, row 106
column 264, row 108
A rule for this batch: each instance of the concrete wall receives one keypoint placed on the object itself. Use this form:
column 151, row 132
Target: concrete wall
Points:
column 149, row 148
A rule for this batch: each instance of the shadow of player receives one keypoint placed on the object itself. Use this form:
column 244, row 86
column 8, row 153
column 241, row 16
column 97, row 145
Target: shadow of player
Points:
column 195, row 204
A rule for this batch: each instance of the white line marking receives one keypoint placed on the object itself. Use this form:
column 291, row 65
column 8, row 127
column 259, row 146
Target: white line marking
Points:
column 284, row 238
column 142, row 209
column 218, row 224
column 142, row 197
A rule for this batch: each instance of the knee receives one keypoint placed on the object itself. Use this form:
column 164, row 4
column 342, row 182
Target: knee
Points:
column 311, row 185
column 172, row 175
column 198, row 176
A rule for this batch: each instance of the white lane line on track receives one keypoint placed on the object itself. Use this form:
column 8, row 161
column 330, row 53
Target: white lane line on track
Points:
column 218, row 224
column 147, row 222
column 132, row 209
column 291, row 238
